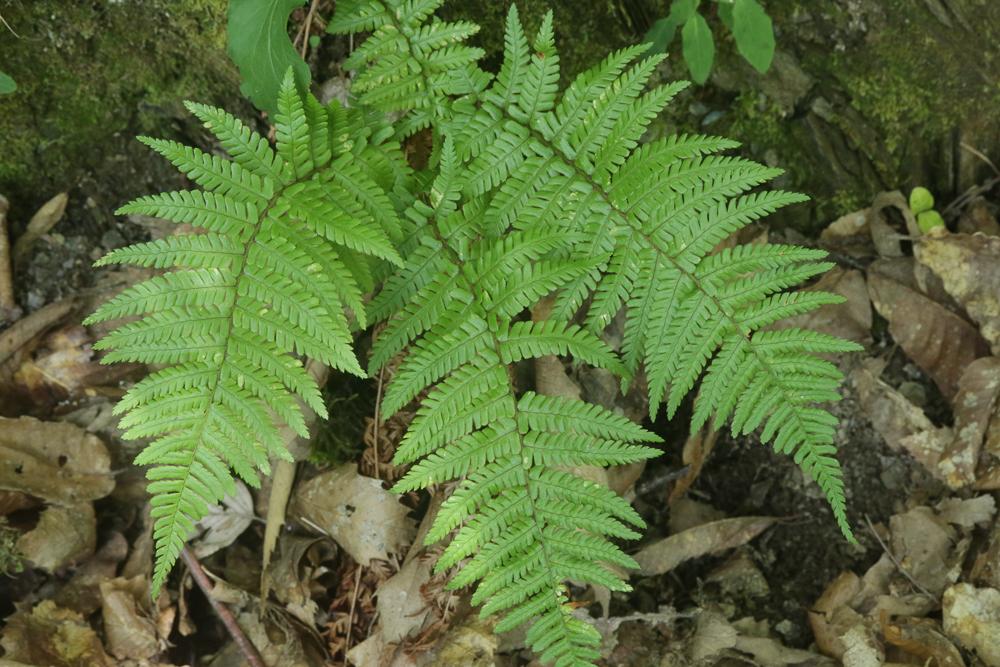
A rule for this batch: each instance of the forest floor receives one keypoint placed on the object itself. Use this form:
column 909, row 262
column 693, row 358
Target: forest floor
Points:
column 742, row 563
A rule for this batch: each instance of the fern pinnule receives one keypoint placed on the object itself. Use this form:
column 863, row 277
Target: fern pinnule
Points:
column 285, row 238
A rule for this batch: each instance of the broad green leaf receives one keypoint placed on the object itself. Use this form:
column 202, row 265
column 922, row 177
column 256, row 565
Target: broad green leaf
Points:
column 698, row 47
column 726, row 13
column 660, row 34
column 754, row 34
column 681, row 11
column 260, row 47
column 7, row 84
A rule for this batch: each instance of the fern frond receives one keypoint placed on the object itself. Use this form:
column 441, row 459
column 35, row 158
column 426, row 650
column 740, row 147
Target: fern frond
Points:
column 474, row 425
column 269, row 279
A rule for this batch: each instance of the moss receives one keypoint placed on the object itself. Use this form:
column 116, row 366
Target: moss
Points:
column 89, row 71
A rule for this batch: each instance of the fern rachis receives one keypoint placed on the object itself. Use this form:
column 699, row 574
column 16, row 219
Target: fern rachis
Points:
column 268, row 280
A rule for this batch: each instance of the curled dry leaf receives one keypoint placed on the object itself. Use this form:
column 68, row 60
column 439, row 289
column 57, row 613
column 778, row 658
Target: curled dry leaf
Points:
column 921, row 638
column 44, row 219
column 885, row 237
column 58, row 462
column 969, row 267
column 937, row 340
column 710, row 538
column 365, row 519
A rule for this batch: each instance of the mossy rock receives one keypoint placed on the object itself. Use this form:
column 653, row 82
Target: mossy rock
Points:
column 90, row 75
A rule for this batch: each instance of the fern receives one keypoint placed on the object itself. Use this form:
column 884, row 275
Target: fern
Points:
column 561, row 182
column 655, row 215
column 525, row 523
column 281, row 260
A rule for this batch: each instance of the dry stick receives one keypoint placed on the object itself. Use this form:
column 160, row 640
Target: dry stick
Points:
column 7, row 302
column 378, row 405
column 350, row 616
column 307, row 27
column 24, row 330
column 248, row 650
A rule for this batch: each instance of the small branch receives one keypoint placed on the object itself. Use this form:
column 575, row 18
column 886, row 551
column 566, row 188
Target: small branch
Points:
column 350, row 616
column 7, row 302
column 248, row 650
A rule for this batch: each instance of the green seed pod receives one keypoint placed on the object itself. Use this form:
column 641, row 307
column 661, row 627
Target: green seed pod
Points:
column 921, row 200
column 928, row 220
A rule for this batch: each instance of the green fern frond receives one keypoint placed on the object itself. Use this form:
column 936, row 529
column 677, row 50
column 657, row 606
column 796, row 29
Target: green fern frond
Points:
column 649, row 219
column 527, row 525
column 286, row 233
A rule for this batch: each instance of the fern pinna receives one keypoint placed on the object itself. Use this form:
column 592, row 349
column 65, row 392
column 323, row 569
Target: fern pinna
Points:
column 455, row 307
column 286, row 238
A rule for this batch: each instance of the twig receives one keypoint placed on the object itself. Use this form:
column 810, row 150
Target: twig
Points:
column 350, row 615
column 24, row 330
column 308, row 27
column 7, row 302
column 378, row 406
column 895, row 562
column 248, row 650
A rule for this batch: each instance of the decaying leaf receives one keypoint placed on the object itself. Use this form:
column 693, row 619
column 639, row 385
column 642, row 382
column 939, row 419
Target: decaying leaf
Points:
column 401, row 607
column 293, row 570
column 51, row 636
column 937, row 340
column 923, row 544
column 975, row 407
column 82, row 593
column 128, row 623
column 710, row 538
column 972, row 617
column 64, row 535
column 365, row 519
column 224, row 522
column 58, row 462
column 922, row 638
column 969, row 267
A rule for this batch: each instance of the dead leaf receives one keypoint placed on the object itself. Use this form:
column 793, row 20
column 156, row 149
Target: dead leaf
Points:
column 967, row 513
column 55, row 637
column 471, row 643
column 82, row 593
column 969, row 267
column 851, row 320
column 44, row 219
column 128, row 625
column 885, row 237
column 975, row 405
column 365, row 519
column 923, row 545
column 921, row 638
column 972, row 617
column 710, row 538
column 401, row 607
column 224, row 522
column 58, row 462
column 978, row 218
column 293, row 571
column 937, row 340
column 697, row 449
column 849, row 233
column 63, row 535
column 901, row 424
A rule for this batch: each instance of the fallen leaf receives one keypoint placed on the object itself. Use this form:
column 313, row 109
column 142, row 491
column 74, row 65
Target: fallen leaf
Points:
column 58, row 462
column 51, row 636
column 362, row 517
column 921, row 638
column 50, row 213
column 224, row 522
column 978, row 218
column 401, row 608
column 885, row 237
column 128, row 624
column 975, row 406
column 710, row 538
column 972, row 617
column 969, row 267
column 923, row 545
column 293, row 571
column 967, row 513
column 82, row 593
column 63, row 535
column 938, row 341
column 697, row 449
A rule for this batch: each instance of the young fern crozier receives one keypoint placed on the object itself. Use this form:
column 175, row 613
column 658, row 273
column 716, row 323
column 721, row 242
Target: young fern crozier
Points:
column 286, row 239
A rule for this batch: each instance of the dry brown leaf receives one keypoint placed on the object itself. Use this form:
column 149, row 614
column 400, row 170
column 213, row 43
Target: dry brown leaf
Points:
column 58, row 462
column 972, row 617
column 921, row 638
column 365, row 519
column 44, row 219
column 710, row 538
column 937, row 340
column 82, row 593
column 293, row 570
column 975, row 406
column 224, row 522
column 128, row 623
column 401, row 607
column 51, row 636
column 969, row 267
column 697, row 449
column 885, row 237
column 63, row 535
column 924, row 546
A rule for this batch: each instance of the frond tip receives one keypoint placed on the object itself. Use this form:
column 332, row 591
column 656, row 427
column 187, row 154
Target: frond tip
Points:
column 267, row 281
